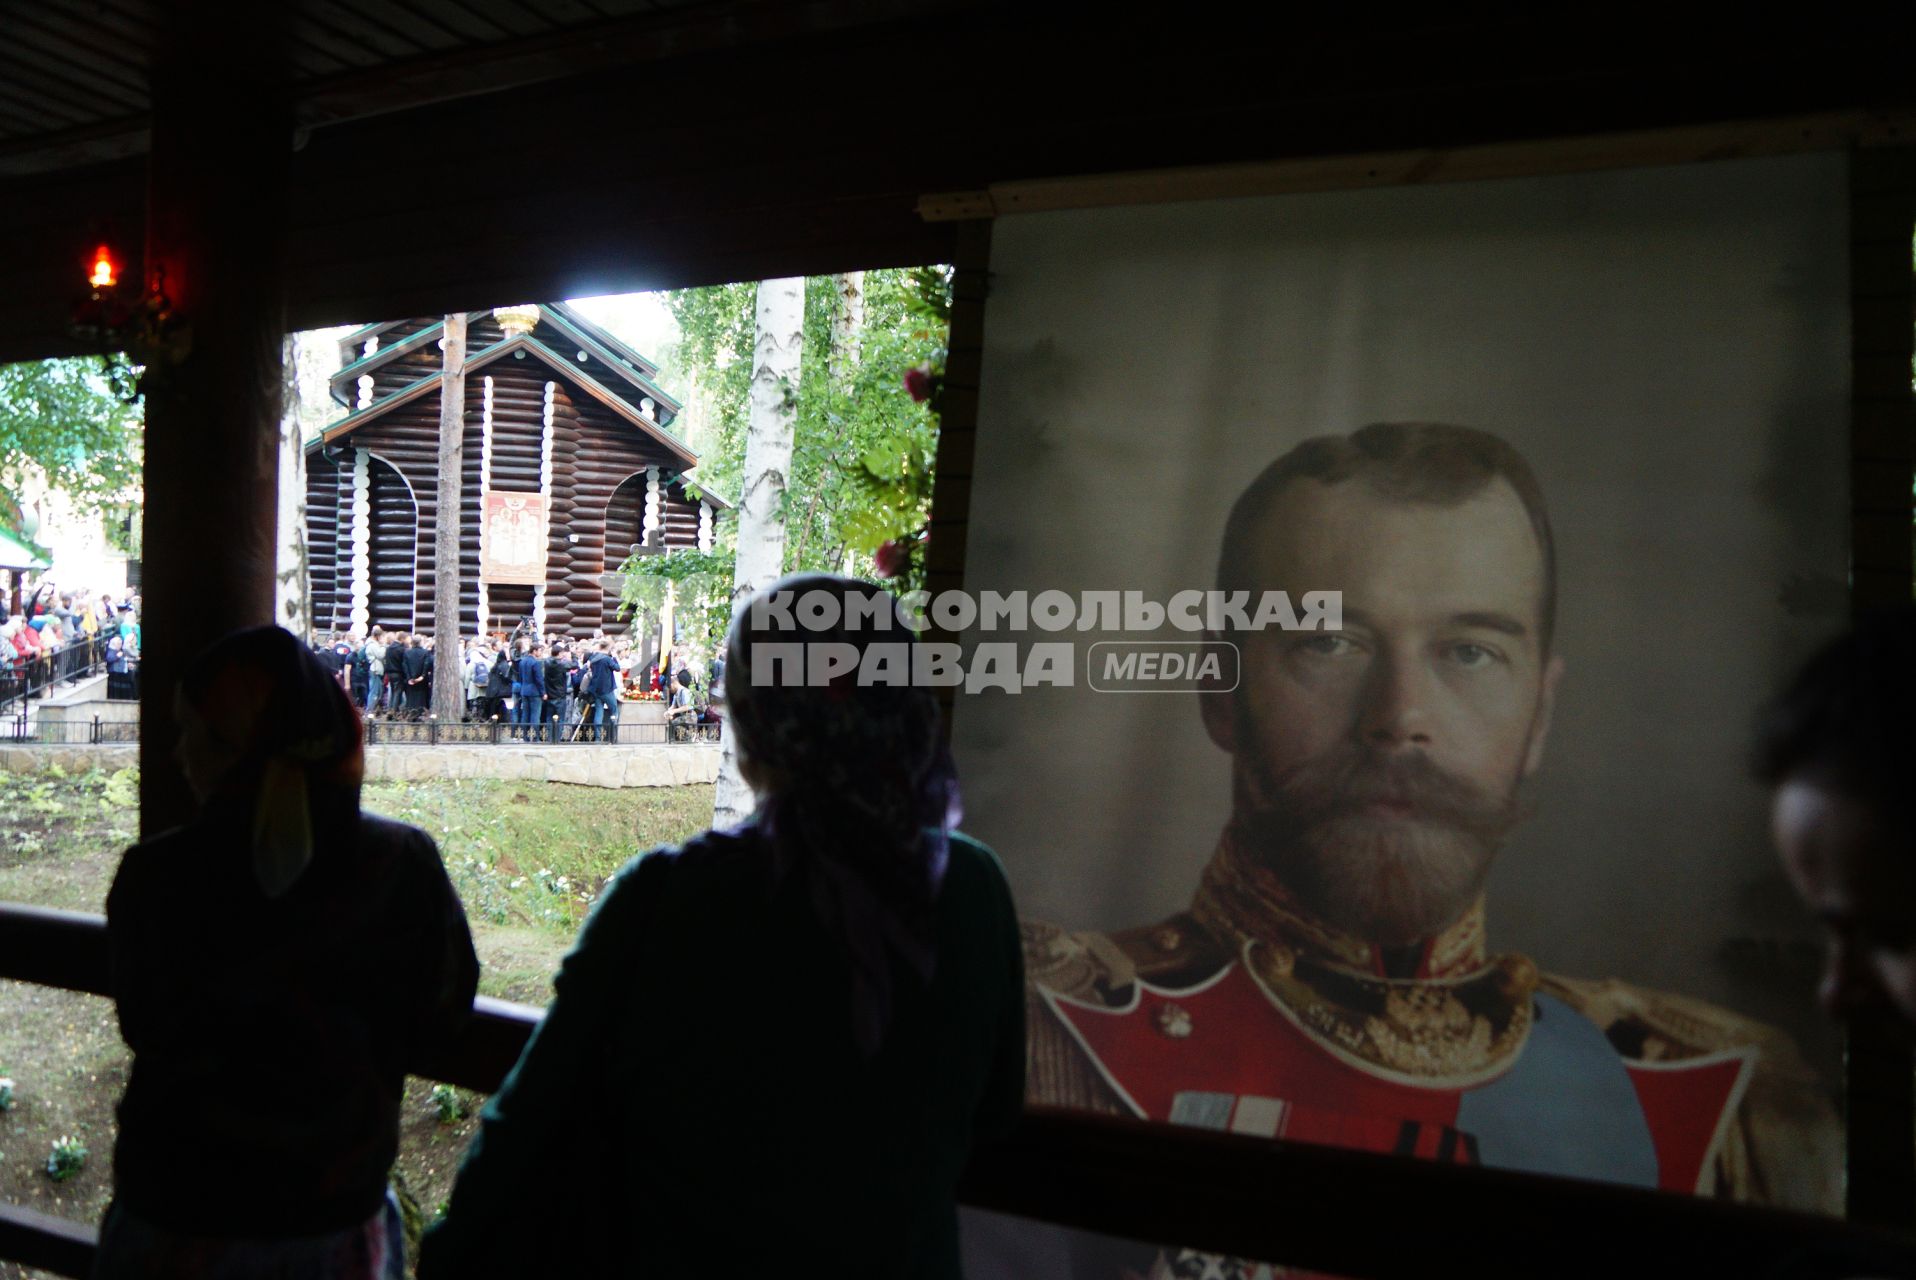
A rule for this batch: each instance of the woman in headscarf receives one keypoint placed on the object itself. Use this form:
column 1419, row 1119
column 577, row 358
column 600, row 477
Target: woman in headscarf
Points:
column 278, row 964
column 772, row 1049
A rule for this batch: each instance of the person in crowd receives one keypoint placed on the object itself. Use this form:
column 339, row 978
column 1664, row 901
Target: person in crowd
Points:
column 130, row 629
column 376, row 671
column 529, row 690
column 498, row 681
column 716, row 672
column 328, row 655
column 1834, row 749
column 557, row 704
column 416, row 673
column 360, row 665
column 477, row 663
column 343, row 652
column 28, row 654
column 681, row 711
column 277, row 965
column 879, row 950
column 600, row 687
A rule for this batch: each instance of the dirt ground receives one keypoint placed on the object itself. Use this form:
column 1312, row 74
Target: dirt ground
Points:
column 528, row 860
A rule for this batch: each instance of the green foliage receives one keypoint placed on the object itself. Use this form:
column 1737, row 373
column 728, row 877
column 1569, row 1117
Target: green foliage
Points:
column 862, row 448
column 72, row 420
column 52, row 808
column 66, row 1159
column 448, row 1104
column 704, row 584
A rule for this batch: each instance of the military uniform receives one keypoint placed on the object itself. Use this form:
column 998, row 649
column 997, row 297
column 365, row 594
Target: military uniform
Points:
column 1245, row 1014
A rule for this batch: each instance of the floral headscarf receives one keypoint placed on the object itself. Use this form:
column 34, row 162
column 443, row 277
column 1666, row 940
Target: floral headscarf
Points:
column 859, row 793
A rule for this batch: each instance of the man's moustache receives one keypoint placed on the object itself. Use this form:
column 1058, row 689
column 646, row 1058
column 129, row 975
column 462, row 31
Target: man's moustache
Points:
column 1346, row 783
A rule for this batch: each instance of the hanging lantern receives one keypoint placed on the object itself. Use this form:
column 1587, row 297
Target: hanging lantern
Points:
column 106, row 271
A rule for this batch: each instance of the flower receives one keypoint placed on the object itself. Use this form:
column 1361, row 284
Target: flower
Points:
column 919, row 383
column 891, row 558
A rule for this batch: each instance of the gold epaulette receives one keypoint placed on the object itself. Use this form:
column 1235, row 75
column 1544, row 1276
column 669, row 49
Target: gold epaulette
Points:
column 1100, row 967
column 1785, row 1147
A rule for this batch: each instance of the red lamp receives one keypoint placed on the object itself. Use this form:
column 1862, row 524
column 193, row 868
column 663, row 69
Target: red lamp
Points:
column 106, row 271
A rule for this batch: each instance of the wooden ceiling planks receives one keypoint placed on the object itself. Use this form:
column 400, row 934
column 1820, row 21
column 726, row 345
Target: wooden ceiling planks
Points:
column 416, row 27
column 356, row 39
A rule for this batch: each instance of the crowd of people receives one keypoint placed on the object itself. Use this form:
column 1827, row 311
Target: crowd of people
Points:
column 49, row 635
column 543, row 688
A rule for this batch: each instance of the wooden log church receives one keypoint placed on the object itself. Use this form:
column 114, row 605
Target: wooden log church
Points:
column 568, row 466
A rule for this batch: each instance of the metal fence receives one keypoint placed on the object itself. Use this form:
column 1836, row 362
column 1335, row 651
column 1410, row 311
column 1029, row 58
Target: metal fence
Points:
column 500, row 733
column 20, row 731
column 23, row 681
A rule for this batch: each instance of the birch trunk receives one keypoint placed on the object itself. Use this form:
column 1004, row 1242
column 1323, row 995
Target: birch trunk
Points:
column 448, row 679
column 848, row 322
column 292, row 603
column 761, row 506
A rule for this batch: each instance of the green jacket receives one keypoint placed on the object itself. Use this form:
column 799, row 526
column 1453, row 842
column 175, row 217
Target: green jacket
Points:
column 694, row 1103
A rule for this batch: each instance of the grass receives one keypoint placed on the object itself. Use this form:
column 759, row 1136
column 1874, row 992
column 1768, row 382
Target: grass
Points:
column 538, row 854
column 528, row 859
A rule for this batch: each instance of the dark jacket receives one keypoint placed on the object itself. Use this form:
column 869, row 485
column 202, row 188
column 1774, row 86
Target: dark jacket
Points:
column 414, row 662
column 271, row 1037
column 531, row 679
column 555, row 678
column 761, row 1071
column 602, row 676
column 499, row 679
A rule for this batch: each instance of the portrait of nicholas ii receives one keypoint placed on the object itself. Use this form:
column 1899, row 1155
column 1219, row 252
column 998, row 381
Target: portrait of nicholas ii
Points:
column 1331, row 980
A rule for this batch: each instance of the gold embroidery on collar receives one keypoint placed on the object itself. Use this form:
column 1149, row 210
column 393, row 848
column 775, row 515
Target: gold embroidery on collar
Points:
column 1452, row 1032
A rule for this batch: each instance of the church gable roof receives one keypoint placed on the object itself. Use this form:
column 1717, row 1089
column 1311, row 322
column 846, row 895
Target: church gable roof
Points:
column 567, row 370
column 604, row 355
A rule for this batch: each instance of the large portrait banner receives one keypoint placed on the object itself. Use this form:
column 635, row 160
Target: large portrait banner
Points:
column 1477, row 873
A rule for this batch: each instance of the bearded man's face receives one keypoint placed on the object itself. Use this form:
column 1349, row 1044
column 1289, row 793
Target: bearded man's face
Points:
column 1377, row 767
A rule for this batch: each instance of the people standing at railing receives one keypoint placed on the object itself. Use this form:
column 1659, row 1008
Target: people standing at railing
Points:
column 277, row 964
column 34, row 667
column 792, row 1032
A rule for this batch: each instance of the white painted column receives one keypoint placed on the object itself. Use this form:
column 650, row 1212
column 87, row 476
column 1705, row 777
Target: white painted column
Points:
column 545, row 491
column 705, row 526
column 485, row 483
column 362, row 543
column 651, row 505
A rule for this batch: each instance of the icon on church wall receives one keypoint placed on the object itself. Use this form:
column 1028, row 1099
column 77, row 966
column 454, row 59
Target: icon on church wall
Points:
column 513, row 538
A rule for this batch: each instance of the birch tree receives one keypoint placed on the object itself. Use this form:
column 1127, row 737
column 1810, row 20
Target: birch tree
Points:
column 779, row 338
column 448, row 678
column 292, row 606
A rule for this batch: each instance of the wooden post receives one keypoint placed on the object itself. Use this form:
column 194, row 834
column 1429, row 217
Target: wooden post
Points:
column 448, row 679
column 215, row 237
column 1879, row 1100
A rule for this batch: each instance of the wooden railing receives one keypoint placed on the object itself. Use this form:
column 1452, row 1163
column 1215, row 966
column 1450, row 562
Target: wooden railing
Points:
column 1352, row 1213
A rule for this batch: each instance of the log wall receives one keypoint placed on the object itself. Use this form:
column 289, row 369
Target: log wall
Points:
column 322, row 536
column 595, row 455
